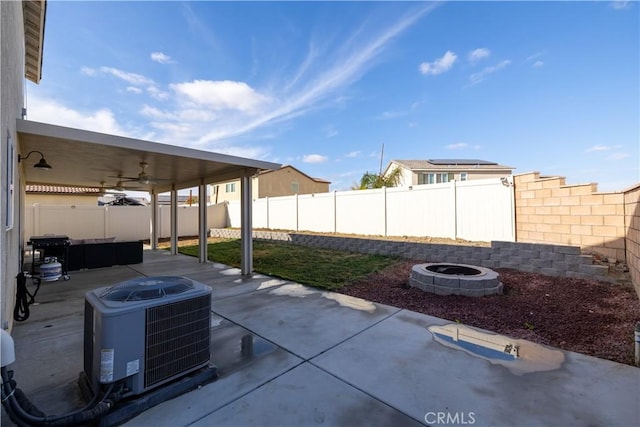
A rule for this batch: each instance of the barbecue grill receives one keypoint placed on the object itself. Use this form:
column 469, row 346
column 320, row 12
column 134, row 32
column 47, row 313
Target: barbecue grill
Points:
column 45, row 248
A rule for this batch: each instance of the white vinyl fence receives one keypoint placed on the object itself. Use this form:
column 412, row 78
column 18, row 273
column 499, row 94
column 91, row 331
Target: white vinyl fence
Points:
column 478, row 210
column 121, row 222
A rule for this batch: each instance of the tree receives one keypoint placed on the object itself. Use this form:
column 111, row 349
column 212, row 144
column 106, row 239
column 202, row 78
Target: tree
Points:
column 371, row 180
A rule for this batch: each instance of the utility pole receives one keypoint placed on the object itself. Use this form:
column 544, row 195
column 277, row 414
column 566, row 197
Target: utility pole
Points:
column 381, row 156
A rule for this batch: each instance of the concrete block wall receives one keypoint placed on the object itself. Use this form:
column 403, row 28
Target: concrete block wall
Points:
column 550, row 211
column 548, row 259
column 632, row 222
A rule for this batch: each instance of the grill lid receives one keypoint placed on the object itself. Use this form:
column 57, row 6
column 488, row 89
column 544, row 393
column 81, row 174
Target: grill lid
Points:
column 146, row 288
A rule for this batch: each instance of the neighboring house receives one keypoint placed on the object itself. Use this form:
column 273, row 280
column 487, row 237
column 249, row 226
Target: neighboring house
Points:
column 435, row 171
column 285, row 181
column 183, row 199
column 59, row 195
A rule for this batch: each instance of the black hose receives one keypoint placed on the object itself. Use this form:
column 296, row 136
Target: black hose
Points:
column 24, row 413
column 23, row 298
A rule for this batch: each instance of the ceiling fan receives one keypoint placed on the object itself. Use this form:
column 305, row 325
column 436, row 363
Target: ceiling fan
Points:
column 119, row 186
column 143, row 177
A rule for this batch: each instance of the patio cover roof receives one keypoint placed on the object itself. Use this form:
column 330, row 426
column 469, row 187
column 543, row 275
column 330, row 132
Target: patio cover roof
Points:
column 87, row 159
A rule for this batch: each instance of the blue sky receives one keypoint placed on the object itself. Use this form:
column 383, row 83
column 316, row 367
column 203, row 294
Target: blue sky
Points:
column 541, row 86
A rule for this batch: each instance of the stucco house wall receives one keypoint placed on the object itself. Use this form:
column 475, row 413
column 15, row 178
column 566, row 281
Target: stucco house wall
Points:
column 274, row 183
column 280, row 183
column 12, row 71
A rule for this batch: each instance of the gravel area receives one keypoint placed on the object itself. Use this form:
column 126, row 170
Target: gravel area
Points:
column 584, row 316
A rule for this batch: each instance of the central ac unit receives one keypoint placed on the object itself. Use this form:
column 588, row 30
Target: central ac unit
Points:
column 145, row 332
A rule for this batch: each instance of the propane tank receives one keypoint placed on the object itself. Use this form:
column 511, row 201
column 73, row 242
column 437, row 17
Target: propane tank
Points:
column 50, row 270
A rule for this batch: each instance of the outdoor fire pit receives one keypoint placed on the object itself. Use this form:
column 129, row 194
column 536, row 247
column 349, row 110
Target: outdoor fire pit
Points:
column 455, row 279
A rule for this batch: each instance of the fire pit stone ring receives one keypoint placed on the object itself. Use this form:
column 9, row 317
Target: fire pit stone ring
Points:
column 455, row 279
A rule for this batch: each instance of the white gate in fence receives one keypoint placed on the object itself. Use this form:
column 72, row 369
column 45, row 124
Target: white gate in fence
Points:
column 478, row 210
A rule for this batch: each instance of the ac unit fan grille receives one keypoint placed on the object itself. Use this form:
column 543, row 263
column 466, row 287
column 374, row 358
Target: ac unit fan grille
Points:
column 177, row 338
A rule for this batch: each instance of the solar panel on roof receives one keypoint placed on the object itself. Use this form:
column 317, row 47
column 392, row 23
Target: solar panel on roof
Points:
column 460, row 162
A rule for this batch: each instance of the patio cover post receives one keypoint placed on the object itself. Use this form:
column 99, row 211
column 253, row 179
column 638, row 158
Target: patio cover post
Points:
column 154, row 220
column 246, row 241
column 174, row 221
column 202, row 220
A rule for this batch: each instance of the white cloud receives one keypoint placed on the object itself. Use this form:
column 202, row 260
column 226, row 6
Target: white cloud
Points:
column 314, row 158
column 478, row 54
column 618, row 156
column 388, row 115
column 480, row 76
column 222, row 95
column 88, row 71
column 49, row 111
column 440, row 65
column 598, row 148
column 157, row 93
column 534, row 56
column 134, row 89
column 457, row 146
column 620, row 4
column 330, row 131
column 161, row 58
column 131, row 78
column 156, row 113
column 538, row 64
column 353, row 154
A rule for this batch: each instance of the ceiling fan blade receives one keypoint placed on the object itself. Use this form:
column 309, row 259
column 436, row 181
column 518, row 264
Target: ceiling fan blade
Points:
column 126, row 178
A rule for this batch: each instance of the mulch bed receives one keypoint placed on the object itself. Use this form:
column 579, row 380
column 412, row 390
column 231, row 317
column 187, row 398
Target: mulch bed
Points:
column 589, row 317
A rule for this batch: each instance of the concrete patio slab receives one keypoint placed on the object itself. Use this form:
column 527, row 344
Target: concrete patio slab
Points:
column 48, row 360
column 306, row 396
column 400, row 363
column 225, row 286
column 162, row 263
column 299, row 319
column 64, row 297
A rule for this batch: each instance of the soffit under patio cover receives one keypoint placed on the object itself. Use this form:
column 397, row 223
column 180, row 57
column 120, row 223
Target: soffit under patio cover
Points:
column 34, row 12
column 87, row 159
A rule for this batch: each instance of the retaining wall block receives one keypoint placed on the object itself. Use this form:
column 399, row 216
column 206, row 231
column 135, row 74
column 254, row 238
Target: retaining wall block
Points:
column 498, row 244
column 492, row 264
column 570, row 250
column 594, row 270
column 548, row 271
column 585, row 259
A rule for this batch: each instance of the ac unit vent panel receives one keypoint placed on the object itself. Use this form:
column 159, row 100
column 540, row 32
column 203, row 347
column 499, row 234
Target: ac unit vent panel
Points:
column 177, row 338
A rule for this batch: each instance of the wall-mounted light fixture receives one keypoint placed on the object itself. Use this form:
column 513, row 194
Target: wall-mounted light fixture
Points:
column 507, row 181
column 42, row 164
